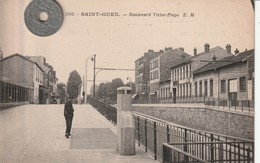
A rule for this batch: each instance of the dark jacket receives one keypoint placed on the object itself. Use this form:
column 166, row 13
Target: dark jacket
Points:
column 68, row 109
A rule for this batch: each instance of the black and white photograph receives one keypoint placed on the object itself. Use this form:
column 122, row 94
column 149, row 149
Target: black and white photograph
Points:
column 120, row 81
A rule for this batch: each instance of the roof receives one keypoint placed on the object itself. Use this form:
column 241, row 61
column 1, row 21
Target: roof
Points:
column 226, row 61
column 175, row 51
column 179, row 62
column 188, row 59
column 44, row 67
column 23, row 57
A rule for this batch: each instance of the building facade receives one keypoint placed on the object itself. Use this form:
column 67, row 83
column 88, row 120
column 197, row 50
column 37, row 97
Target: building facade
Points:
column 49, row 87
column 182, row 85
column 21, row 79
column 142, row 75
column 160, row 72
column 229, row 81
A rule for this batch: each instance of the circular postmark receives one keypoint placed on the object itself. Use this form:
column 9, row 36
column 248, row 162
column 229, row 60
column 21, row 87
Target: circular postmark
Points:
column 43, row 17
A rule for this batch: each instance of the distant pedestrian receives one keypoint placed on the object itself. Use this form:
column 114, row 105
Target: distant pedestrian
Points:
column 68, row 113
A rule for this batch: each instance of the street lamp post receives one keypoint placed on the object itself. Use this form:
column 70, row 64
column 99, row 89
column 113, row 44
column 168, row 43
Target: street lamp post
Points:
column 86, row 83
column 94, row 74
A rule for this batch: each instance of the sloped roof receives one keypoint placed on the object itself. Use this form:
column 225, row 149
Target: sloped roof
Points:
column 23, row 57
column 225, row 61
column 190, row 58
column 45, row 68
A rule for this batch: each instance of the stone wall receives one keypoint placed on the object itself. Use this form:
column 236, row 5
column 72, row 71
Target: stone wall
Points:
column 203, row 118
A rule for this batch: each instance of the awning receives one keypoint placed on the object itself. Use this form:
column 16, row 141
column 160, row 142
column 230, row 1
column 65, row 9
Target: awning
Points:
column 134, row 95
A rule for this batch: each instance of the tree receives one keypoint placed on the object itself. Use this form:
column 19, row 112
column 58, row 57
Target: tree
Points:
column 73, row 84
column 61, row 90
column 108, row 91
column 116, row 83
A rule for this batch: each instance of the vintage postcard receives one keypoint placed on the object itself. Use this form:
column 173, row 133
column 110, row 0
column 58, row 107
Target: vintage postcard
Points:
column 121, row 81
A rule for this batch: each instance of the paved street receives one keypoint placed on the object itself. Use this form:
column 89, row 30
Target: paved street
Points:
column 35, row 133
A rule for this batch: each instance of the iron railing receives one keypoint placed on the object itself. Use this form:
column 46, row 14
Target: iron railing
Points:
column 152, row 133
column 224, row 152
column 246, row 106
column 108, row 111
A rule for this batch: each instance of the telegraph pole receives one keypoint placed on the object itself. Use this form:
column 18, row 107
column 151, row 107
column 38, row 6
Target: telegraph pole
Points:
column 94, row 75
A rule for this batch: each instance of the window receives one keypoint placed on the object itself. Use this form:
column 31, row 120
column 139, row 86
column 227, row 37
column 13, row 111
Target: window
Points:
column 232, row 84
column 242, row 84
column 187, row 71
column 181, row 91
column 177, row 74
column 190, row 71
column 184, row 91
column 196, row 89
column 187, row 89
column 200, row 89
column 180, row 73
column 183, row 70
column 211, row 88
column 206, row 88
column 223, row 86
column 190, row 90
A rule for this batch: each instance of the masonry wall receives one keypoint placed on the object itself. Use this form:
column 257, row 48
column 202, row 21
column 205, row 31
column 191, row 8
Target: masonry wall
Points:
column 20, row 73
column 227, row 123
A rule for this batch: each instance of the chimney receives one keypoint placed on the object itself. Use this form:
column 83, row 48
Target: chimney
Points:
column 236, row 51
column 168, row 49
column 214, row 58
column 150, row 51
column 195, row 51
column 206, row 47
column 181, row 48
column 228, row 48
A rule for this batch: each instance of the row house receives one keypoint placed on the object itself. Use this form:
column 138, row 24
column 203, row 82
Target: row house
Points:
column 228, row 81
column 49, row 88
column 142, row 74
column 160, row 73
column 20, row 79
column 182, row 85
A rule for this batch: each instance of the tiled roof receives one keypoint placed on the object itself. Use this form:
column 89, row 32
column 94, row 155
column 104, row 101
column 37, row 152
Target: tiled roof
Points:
column 190, row 58
column 225, row 61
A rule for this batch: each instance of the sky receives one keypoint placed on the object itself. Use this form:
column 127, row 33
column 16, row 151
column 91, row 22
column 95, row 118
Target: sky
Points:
column 120, row 40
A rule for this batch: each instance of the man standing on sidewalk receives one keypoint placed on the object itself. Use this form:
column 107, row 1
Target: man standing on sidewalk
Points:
column 68, row 113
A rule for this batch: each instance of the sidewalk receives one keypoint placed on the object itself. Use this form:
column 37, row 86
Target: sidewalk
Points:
column 41, row 137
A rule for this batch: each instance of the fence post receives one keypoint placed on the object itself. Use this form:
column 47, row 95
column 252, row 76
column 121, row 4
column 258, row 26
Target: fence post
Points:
column 220, row 153
column 145, row 134
column 185, row 146
column 138, row 130
column 168, row 133
column 212, row 148
column 155, row 141
column 248, row 154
